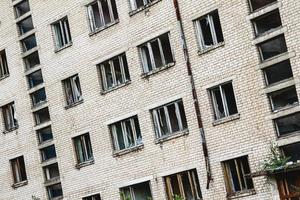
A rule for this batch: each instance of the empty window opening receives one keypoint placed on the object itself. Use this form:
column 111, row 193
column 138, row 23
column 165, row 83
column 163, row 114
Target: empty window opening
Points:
column 92, row 197
column 38, row 97
column 278, row 72
column 83, row 148
column 102, row 13
column 32, row 60
column 288, row 124
column 62, row 33
column 25, row 25
column 283, row 98
column 54, row 191
column 169, row 119
column 208, row 30
column 184, row 185
column 45, row 134
column 18, row 169
column 237, row 175
column 9, row 116
column 136, row 4
column 22, row 8
column 289, row 185
column 114, row 72
column 29, row 43
column 42, row 116
column 48, row 153
column 272, row 47
column 126, row 133
column 72, row 90
column 257, row 4
column 156, row 53
column 35, row 78
column 267, row 22
column 223, row 100
column 138, row 191
column 3, row 65
column 51, row 172
column 292, row 151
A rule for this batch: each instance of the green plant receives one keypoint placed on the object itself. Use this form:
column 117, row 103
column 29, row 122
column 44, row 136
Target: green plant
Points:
column 178, row 197
column 124, row 197
column 276, row 159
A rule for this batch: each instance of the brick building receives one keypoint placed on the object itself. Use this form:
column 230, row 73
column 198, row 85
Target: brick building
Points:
column 148, row 99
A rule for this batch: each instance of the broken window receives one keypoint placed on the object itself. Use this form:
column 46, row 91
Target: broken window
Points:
column 223, row 100
column 208, row 30
column 288, row 124
column 284, row 98
column 267, row 23
column 169, row 119
column 257, row 4
column 272, row 47
column 114, row 72
column 38, row 97
column 289, row 185
column 102, row 13
column 138, row 191
column 18, row 169
column 51, row 172
column 10, row 116
column 3, row 65
column 237, row 175
column 22, row 8
column 126, row 133
column 292, row 151
column 156, row 53
column 62, row 33
column 83, row 148
column 45, row 134
column 92, row 197
column 278, row 72
column 42, row 116
column 184, row 185
column 29, row 43
column 48, row 153
column 32, row 60
column 35, row 78
column 72, row 90
column 25, row 25
column 136, row 4
column 55, row 191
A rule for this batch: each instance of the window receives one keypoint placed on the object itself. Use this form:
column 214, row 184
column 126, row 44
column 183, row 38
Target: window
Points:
column 48, row 153
column 22, row 8
column 51, row 172
column 45, row 134
column 272, row 47
column 38, row 97
column 257, row 4
column 136, row 4
column 35, row 78
column 237, row 175
column 223, row 101
column 283, row 98
column 42, row 116
column 126, row 133
column 83, row 148
column 289, row 185
column 288, row 124
column 114, row 72
column 29, row 43
column 102, row 13
column 72, row 90
column 156, row 53
column 92, row 197
column 184, row 185
column 208, row 30
column 54, row 191
column 25, row 25
column 292, row 151
column 267, row 22
column 278, row 72
column 169, row 119
column 62, row 33
column 3, row 65
column 10, row 117
column 18, row 169
column 137, row 191
column 32, row 60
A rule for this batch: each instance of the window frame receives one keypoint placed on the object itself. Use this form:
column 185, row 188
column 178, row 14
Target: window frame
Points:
column 93, row 197
column 64, row 28
column 131, row 189
column 9, row 117
column 85, row 143
column 18, row 177
column 74, row 98
column 133, row 4
column 4, row 71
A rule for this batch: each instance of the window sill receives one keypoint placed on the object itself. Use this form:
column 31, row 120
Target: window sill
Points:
column 4, row 77
column 74, row 104
column 57, row 198
column 241, row 194
column 206, row 50
column 52, row 181
column 171, row 136
column 133, row 12
column 38, row 105
column 84, row 164
column 226, row 119
column 20, row 184
column 155, row 71
column 100, row 29
column 286, row 107
column 288, row 135
column 11, row 130
column 63, row 47
column 128, row 150
column 103, row 92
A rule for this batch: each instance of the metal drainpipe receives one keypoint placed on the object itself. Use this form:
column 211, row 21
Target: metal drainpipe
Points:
column 195, row 98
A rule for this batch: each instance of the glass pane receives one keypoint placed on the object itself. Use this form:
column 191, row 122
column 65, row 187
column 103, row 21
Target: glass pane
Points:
column 288, row 124
column 230, row 99
column 156, row 54
column 146, row 59
column 32, row 60
column 217, row 25
column 165, row 43
column 284, row 98
column 206, row 32
column 278, row 72
column 182, row 114
column 173, row 118
column 25, row 25
column 105, row 11
column 29, row 43
column 22, row 8
column 267, row 22
column 45, row 134
column 48, row 153
column 35, row 78
column 118, row 72
column 96, row 14
column 142, row 191
column 162, row 121
column 120, row 137
column 108, row 75
column 217, row 100
column 130, row 137
column 273, row 47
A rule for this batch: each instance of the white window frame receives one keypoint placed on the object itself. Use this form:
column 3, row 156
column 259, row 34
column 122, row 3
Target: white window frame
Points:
column 10, row 116
column 134, row 7
column 131, row 189
column 84, row 145
column 63, row 26
column 75, row 90
column 3, row 65
column 16, row 170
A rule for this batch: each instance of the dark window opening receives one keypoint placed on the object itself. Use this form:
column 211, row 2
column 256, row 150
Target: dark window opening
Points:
column 35, row 79
column 54, row 191
column 3, row 64
column 272, row 47
column 62, row 33
column 38, row 97
column 22, row 8
column 137, row 191
column 18, row 169
column 51, row 171
column 32, row 60
column 267, row 22
column 83, row 148
column 48, row 153
column 9, row 116
column 257, row 4
column 288, row 124
column 292, row 151
column 29, row 43
column 25, row 25
column 42, row 116
column 92, row 197
column 45, row 134
column 72, row 89
column 284, row 98
column 278, row 72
